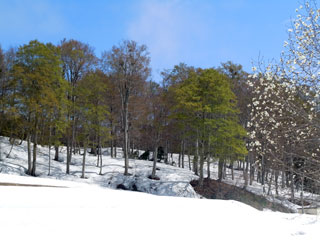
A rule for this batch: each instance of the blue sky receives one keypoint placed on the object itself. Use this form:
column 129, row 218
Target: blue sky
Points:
column 202, row 33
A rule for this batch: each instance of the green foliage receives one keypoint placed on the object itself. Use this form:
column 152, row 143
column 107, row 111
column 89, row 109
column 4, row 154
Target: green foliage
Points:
column 206, row 101
column 92, row 105
column 40, row 90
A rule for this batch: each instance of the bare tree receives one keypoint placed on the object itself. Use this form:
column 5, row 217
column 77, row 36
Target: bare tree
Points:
column 128, row 66
column 77, row 59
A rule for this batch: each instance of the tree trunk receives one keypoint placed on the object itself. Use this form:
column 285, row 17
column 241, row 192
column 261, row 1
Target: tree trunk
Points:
column 111, row 148
column 201, row 163
column 49, row 150
column 283, row 176
column 154, row 167
column 29, row 154
column 189, row 160
column 208, row 167
column 251, row 168
column 270, row 182
column 245, row 172
column 35, row 143
column 12, row 143
column 224, row 170
column 232, row 171
column 195, row 158
column 182, row 154
column 68, row 154
column 56, row 154
column 84, row 158
column 100, row 153
column 301, row 193
column 126, row 129
column 220, row 170
column 291, row 178
column 166, row 154
column 263, row 173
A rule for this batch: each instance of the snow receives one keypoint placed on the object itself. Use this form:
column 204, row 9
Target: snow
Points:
column 171, row 183
column 73, row 208
column 91, row 212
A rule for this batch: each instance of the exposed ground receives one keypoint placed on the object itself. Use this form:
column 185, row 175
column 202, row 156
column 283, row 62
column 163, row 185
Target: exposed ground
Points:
column 213, row 189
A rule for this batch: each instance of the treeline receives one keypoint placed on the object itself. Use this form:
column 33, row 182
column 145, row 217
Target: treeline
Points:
column 265, row 124
column 65, row 95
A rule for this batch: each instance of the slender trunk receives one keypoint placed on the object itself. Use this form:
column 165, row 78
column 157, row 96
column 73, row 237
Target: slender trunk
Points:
column 12, row 143
column 276, row 178
column 73, row 136
column 301, row 193
column 56, row 154
column 69, row 149
column 84, row 158
column 35, row 143
column 182, row 154
column 245, row 172
column 201, row 163
column 189, row 160
column 224, row 170
column 126, row 129
column 263, row 173
column 291, row 178
column 232, row 171
column 208, row 167
column 179, row 159
column 220, row 170
column 98, row 159
column 283, row 176
column 94, row 146
column 49, row 150
column 270, row 182
column 166, row 154
column 196, row 157
column 154, row 167
column 111, row 148
column 29, row 154
column 100, row 153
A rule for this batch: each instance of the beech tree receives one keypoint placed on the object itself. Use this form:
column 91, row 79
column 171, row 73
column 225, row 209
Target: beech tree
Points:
column 92, row 108
column 77, row 59
column 36, row 75
column 128, row 66
column 207, row 100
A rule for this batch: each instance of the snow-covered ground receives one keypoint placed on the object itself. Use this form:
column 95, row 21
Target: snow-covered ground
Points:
column 84, row 211
column 173, row 181
column 88, row 208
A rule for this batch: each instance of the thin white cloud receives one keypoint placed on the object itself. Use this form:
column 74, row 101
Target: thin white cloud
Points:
column 30, row 19
column 174, row 31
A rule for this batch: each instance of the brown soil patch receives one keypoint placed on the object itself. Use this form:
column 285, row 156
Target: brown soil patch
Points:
column 214, row 189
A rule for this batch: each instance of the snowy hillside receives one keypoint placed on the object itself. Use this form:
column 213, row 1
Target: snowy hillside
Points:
column 173, row 181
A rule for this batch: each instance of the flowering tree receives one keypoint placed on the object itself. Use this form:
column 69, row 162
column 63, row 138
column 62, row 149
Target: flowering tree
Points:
column 284, row 126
